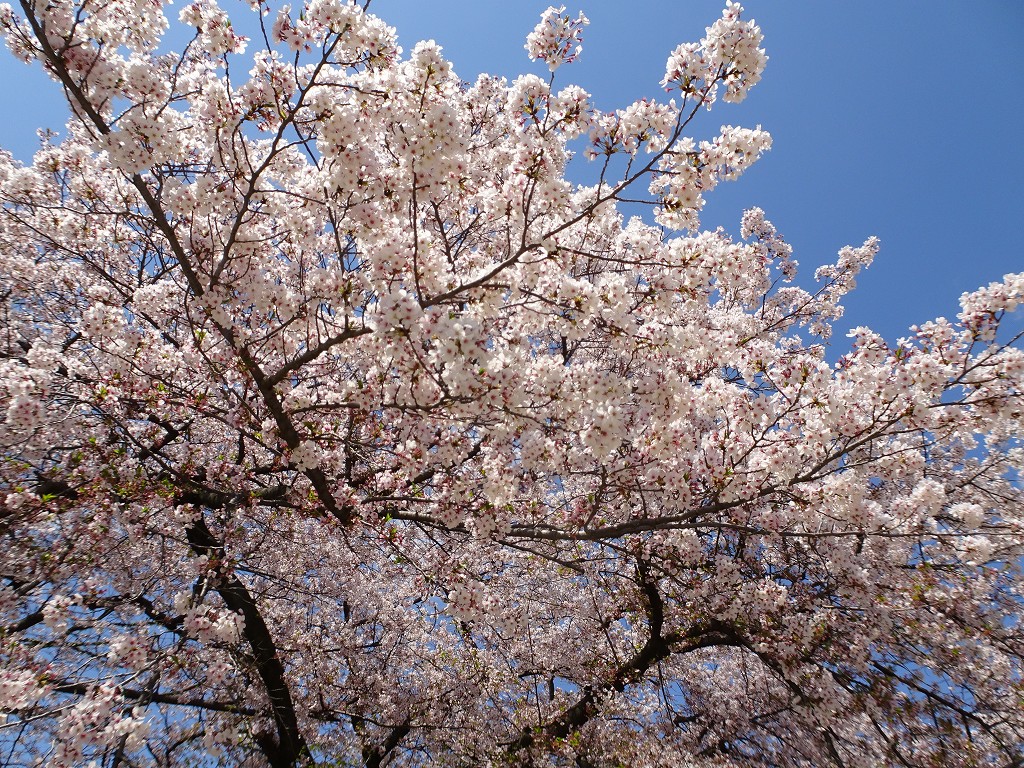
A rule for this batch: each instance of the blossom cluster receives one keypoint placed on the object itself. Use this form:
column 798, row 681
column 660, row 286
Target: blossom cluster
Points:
column 686, row 174
column 730, row 50
column 471, row 602
column 205, row 624
column 557, row 38
column 213, row 26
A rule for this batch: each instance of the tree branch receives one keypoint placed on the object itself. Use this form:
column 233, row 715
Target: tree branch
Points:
column 290, row 746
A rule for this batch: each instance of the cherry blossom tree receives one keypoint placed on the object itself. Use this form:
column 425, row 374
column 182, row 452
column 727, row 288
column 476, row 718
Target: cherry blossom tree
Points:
column 339, row 428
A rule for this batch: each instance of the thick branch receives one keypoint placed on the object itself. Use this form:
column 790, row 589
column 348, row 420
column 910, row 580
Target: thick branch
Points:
column 290, row 746
column 83, row 689
column 377, row 757
column 657, row 648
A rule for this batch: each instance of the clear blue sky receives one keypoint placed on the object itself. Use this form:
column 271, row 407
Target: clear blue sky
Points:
column 897, row 119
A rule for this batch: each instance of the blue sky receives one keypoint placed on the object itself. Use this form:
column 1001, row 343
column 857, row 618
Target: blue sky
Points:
column 897, row 119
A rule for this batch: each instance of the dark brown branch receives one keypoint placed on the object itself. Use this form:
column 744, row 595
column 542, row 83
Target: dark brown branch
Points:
column 83, row 689
column 376, row 757
column 657, row 648
column 27, row 622
column 290, row 746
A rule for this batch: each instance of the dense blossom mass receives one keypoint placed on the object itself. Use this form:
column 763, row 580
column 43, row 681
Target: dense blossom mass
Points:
column 339, row 428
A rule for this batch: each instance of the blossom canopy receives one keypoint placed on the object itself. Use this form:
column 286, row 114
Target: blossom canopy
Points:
column 338, row 426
